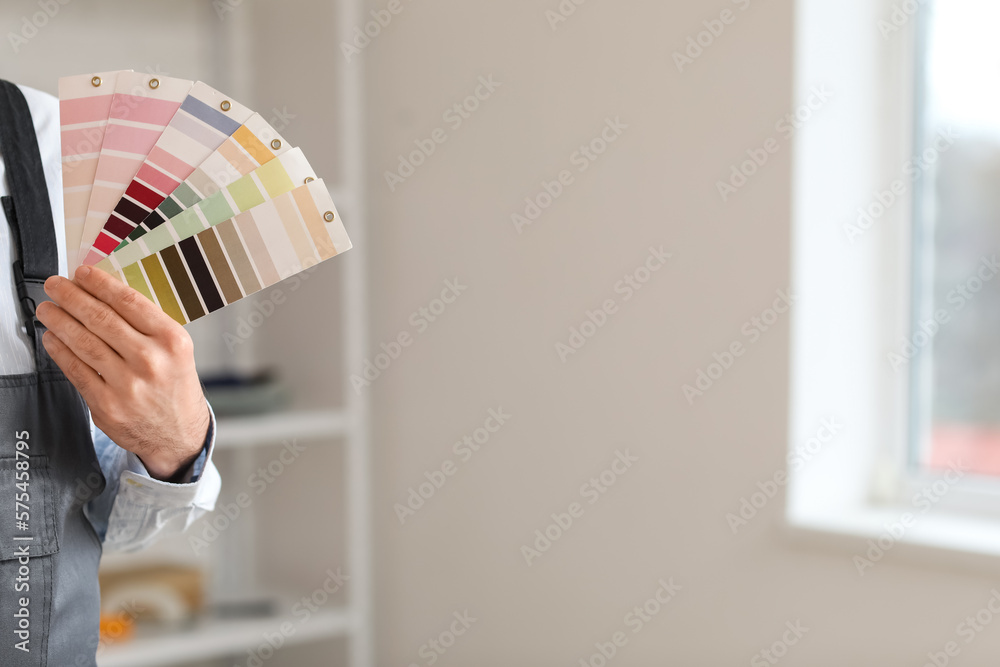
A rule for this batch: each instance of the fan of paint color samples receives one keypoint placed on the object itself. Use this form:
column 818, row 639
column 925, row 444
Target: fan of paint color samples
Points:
column 185, row 194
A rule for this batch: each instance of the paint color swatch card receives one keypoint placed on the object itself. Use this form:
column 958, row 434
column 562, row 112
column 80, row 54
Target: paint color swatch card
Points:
column 185, row 194
column 242, row 255
column 84, row 109
column 141, row 108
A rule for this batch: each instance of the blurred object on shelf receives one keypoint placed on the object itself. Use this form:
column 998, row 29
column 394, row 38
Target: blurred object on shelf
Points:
column 116, row 627
column 232, row 393
column 156, row 594
column 258, row 607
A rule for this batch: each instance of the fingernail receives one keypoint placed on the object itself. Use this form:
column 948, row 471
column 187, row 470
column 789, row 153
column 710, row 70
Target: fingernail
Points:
column 50, row 282
column 82, row 272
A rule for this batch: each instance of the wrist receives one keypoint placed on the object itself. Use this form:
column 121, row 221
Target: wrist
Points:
column 170, row 463
column 169, row 469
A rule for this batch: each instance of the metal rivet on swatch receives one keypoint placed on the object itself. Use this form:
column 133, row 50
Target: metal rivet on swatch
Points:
column 328, row 216
column 96, row 81
column 225, row 106
column 276, row 144
column 309, row 179
column 154, row 83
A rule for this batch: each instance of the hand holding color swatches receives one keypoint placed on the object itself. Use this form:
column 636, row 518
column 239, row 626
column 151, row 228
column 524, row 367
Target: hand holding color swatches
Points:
column 185, row 194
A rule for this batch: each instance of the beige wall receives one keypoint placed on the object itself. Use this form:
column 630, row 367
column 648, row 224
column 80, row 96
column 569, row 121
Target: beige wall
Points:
column 495, row 346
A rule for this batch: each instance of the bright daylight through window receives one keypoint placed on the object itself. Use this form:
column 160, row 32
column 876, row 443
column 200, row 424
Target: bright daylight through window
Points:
column 954, row 347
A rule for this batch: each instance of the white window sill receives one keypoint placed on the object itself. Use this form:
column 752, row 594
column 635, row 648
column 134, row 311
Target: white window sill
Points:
column 940, row 540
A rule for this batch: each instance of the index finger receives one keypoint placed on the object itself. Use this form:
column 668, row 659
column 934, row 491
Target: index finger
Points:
column 144, row 316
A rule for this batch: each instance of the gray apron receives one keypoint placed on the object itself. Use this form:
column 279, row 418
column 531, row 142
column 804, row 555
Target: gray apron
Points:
column 49, row 552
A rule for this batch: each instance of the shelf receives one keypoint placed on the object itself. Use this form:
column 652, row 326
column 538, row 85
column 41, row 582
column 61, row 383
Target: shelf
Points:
column 273, row 428
column 221, row 639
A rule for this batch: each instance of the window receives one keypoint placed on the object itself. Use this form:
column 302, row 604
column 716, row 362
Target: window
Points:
column 896, row 219
column 955, row 340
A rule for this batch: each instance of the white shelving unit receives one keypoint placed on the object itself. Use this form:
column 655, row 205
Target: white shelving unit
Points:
column 220, row 639
column 223, row 639
column 345, row 425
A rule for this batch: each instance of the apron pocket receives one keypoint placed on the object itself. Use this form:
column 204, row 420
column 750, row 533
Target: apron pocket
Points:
column 27, row 512
column 28, row 540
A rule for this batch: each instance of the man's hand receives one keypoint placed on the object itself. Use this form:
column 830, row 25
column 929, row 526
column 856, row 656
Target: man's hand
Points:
column 132, row 363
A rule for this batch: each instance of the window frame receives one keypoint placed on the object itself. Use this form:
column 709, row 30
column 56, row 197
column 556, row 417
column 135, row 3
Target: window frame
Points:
column 844, row 329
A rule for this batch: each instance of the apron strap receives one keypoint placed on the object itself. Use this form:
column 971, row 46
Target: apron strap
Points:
column 28, row 211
